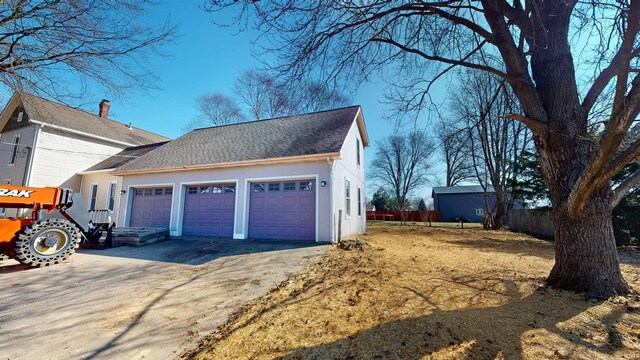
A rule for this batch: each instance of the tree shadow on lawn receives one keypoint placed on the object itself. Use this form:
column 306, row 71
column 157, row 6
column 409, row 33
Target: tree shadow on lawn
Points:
column 522, row 247
column 479, row 333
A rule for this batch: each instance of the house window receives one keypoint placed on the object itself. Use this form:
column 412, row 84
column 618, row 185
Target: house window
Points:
column 230, row 189
column 479, row 212
column 347, row 197
column 20, row 116
column 358, row 151
column 111, row 196
column 6, row 182
column 359, row 202
column 289, row 186
column 306, row 185
column 274, row 187
column 14, row 150
column 93, row 196
column 216, row 189
column 258, row 187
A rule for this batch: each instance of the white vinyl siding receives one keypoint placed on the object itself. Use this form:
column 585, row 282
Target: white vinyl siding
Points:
column 14, row 150
column 111, row 196
column 93, row 197
column 78, row 155
column 347, row 197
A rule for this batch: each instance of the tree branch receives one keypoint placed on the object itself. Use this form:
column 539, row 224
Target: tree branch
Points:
column 623, row 189
column 598, row 172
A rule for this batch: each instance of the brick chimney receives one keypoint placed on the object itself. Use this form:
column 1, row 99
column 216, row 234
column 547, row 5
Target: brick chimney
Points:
column 105, row 105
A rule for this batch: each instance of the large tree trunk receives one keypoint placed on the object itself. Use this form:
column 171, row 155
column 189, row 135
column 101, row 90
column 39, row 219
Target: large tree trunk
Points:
column 586, row 257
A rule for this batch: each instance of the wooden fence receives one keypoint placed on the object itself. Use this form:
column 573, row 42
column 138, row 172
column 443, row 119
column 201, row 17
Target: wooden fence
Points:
column 537, row 223
column 416, row 216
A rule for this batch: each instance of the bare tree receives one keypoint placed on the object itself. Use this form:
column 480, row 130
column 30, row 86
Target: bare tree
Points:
column 401, row 163
column 264, row 95
column 456, row 150
column 214, row 110
column 530, row 45
column 44, row 43
column 495, row 142
column 315, row 96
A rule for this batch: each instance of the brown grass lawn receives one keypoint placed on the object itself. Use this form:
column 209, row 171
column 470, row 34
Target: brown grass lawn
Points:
column 434, row 293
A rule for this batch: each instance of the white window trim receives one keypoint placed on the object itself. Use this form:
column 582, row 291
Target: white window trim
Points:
column 358, row 151
column 112, row 184
column 359, row 201
column 90, row 196
column 347, row 200
column 14, row 145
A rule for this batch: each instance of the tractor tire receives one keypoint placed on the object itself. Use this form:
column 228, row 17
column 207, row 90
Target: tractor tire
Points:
column 47, row 242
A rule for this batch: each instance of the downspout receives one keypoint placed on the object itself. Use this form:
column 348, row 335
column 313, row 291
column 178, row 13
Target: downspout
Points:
column 331, row 193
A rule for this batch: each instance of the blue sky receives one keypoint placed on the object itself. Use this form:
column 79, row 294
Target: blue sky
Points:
column 207, row 58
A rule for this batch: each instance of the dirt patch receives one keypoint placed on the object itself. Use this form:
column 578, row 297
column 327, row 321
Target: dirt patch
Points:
column 421, row 292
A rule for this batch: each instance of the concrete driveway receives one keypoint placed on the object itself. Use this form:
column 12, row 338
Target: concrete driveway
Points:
column 149, row 302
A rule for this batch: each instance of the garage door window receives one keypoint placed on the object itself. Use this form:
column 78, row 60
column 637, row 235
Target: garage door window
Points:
column 306, row 185
column 230, row 189
column 274, row 187
column 289, row 186
column 258, row 187
column 216, row 189
column 192, row 190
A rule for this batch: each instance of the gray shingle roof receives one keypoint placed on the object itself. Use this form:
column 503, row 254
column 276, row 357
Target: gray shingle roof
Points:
column 308, row 134
column 124, row 156
column 57, row 114
column 460, row 189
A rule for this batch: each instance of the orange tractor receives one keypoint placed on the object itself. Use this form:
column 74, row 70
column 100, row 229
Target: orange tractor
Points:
column 34, row 241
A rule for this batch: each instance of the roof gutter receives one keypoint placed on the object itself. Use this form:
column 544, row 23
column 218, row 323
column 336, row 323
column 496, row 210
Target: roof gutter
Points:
column 95, row 171
column 81, row 133
column 281, row 160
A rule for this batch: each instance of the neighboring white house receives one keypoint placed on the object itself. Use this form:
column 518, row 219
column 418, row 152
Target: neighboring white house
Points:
column 44, row 143
column 292, row 178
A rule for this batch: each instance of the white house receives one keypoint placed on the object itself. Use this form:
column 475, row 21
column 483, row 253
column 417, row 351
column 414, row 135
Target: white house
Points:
column 298, row 178
column 44, row 143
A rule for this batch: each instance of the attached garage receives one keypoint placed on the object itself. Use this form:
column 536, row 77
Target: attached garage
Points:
column 209, row 210
column 151, row 207
column 283, row 210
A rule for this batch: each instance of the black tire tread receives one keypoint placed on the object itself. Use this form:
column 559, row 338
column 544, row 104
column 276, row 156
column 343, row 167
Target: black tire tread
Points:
column 26, row 256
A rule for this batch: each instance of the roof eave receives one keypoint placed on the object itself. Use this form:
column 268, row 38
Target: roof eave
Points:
column 362, row 127
column 89, row 172
column 281, row 160
column 81, row 133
